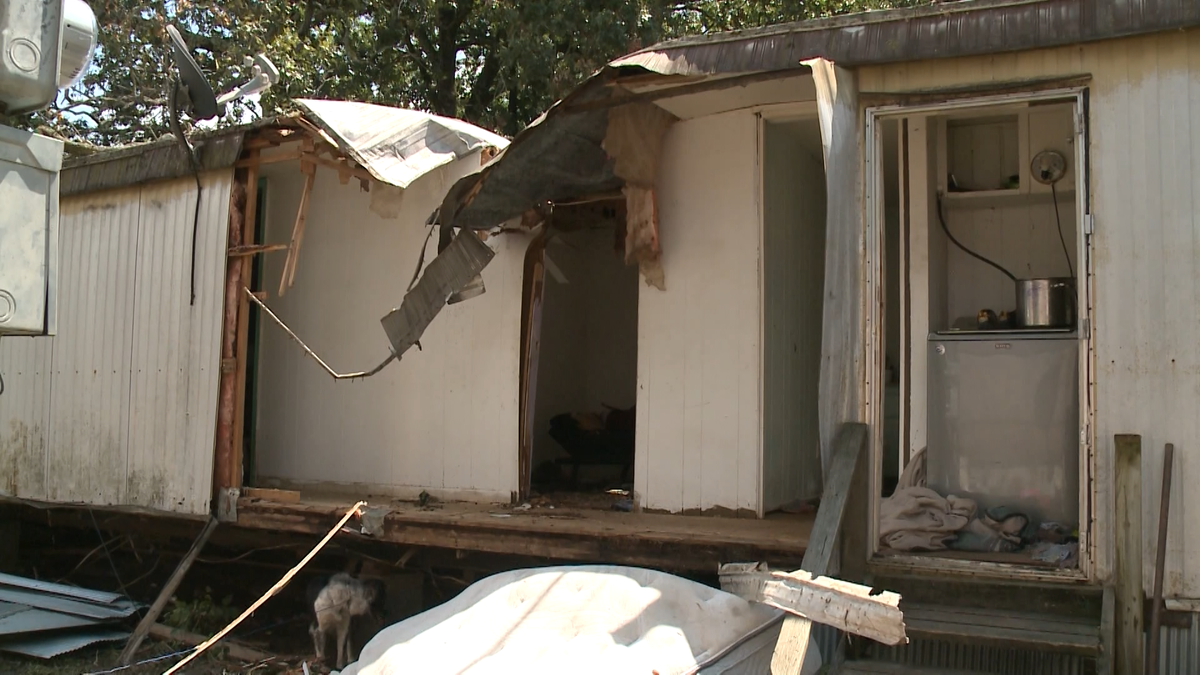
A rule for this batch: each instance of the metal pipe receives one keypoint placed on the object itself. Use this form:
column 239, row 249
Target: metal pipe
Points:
column 332, row 373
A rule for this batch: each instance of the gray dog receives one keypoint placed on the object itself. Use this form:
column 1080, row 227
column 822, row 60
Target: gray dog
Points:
column 335, row 601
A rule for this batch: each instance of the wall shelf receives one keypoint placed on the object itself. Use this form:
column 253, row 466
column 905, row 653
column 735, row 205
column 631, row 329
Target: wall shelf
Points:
column 990, row 199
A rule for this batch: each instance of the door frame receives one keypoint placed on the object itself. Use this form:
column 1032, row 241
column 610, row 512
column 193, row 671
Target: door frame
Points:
column 533, row 287
column 1090, row 548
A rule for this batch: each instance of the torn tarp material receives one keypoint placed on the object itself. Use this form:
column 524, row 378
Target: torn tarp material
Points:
column 453, row 269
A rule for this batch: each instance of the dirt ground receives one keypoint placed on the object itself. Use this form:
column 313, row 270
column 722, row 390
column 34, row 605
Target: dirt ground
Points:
column 220, row 585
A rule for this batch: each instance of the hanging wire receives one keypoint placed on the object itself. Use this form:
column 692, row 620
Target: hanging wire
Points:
column 1061, row 238
column 966, row 250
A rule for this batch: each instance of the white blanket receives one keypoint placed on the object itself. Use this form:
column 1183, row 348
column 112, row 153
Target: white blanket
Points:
column 572, row 619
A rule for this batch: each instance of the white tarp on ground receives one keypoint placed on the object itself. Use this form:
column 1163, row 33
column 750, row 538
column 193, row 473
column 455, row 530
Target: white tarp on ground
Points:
column 581, row 619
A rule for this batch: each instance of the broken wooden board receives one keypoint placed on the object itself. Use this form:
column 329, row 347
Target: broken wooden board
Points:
column 849, row 607
column 272, row 495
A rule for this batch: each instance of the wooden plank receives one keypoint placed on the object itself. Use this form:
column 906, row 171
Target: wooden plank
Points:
column 272, row 495
column 164, row 596
column 846, row 606
column 1129, row 592
column 792, row 645
column 1106, row 663
column 886, row 668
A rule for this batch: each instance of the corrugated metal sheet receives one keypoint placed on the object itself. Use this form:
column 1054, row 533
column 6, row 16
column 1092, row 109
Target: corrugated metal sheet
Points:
column 981, row 659
column 397, row 145
column 1179, row 649
column 43, row 619
column 50, row 646
column 119, row 407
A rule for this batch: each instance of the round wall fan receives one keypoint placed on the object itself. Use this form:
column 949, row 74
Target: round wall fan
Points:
column 1048, row 167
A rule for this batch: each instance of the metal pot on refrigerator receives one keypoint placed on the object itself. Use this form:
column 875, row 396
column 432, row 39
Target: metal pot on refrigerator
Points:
column 1046, row 303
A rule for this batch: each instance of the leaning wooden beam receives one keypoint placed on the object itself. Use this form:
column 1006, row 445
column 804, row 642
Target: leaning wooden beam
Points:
column 164, row 596
column 846, row 606
column 792, row 645
column 289, row 265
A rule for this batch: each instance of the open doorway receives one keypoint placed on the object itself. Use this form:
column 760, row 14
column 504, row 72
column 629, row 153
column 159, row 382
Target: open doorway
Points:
column 582, row 372
column 982, row 450
column 794, row 221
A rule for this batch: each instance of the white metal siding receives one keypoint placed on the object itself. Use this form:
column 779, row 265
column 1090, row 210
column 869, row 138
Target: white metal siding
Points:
column 1145, row 164
column 119, row 408
column 443, row 419
column 699, row 385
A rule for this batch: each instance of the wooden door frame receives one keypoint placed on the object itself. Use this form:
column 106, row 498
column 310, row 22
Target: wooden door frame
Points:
column 533, row 286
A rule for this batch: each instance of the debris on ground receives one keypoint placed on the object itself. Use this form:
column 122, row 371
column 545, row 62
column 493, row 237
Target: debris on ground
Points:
column 45, row 620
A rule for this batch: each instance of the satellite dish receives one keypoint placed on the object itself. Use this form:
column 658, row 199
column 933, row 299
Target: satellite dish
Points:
column 202, row 100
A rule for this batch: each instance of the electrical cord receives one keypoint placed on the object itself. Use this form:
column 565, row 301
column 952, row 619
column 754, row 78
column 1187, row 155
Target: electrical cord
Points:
column 1061, row 238
column 966, row 250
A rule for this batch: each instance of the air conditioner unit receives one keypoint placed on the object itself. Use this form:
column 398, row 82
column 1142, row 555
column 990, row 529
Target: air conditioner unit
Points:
column 45, row 47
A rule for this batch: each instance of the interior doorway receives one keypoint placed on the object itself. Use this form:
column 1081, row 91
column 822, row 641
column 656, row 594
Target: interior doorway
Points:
column 793, row 249
column 982, row 446
column 579, row 389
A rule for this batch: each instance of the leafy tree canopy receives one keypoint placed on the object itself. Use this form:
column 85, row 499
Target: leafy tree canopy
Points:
column 495, row 63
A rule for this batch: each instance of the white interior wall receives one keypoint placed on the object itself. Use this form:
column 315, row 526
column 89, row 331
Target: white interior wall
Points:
column 699, row 383
column 588, row 355
column 444, row 419
column 793, row 283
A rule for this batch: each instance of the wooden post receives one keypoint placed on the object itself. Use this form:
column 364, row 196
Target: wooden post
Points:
column 1160, row 559
column 1129, row 593
column 164, row 596
column 792, row 646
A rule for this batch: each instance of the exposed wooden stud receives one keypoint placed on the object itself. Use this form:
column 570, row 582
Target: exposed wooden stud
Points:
column 289, row 266
column 242, row 347
column 164, row 596
column 225, row 473
column 1160, row 556
column 792, row 645
column 1129, row 591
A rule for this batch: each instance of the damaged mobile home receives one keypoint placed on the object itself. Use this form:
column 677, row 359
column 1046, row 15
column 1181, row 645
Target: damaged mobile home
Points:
column 965, row 225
